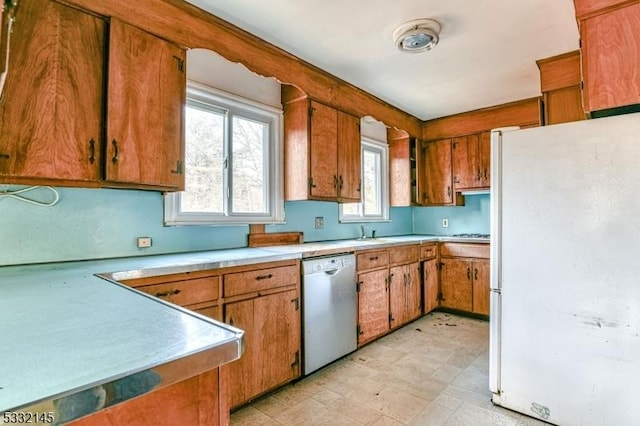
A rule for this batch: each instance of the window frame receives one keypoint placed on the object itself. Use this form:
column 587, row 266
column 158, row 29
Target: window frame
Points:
column 382, row 148
column 215, row 100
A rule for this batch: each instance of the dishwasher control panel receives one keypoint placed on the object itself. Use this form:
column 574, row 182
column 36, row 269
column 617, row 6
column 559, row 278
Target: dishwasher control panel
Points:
column 327, row 263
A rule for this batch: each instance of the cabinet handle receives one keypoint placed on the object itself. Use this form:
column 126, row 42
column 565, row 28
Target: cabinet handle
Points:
column 264, row 277
column 455, row 179
column 168, row 293
column 468, row 273
column 115, row 151
column 92, row 151
column 4, row 156
column 448, row 191
column 335, row 181
column 359, row 186
column 341, row 183
column 485, row 174
column 373, row 258
column 475, row 273
column 178, row 169
column 479, row 175
column 311, row 184
column 230, row 321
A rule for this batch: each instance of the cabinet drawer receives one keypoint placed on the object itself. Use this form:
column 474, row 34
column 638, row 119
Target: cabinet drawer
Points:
column 209, row 311
column 187, row 292
column 428, row 251
column 372, row 259
column 404, row 254
column 465, row 250
column 260, row 280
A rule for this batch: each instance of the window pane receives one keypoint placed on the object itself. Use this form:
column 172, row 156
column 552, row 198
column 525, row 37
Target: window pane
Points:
column 204, row 135
column 248, row 153
column 371, row 171
column 350, row 209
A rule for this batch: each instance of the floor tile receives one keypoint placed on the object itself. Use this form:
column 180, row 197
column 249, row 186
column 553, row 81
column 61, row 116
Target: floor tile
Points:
column 432, row 372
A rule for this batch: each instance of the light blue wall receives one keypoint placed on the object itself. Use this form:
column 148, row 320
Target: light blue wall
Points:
column 473, row 217
column 104, row 223
column 300, row 215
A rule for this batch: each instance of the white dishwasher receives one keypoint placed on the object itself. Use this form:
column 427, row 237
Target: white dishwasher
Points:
column 329, row 310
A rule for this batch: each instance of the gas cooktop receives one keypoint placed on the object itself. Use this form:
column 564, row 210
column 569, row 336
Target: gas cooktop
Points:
column 472, row 235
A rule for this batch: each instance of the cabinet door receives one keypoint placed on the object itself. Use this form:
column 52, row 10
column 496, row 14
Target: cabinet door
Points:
column 466, row 162
column 324, row 151
column 398, row 308
column 484, row 150
column 51, row 109
column 348, row 158
column 438, row 178
column 414, row 291
column 405, row 294
column 272, row 345
column 373, row 305
column 455, row 284
column 430, row 282
column 145, row 110
column 481, row 286
column 610, row 58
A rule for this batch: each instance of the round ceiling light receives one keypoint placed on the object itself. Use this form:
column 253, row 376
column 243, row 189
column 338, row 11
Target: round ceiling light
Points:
column 417, row 36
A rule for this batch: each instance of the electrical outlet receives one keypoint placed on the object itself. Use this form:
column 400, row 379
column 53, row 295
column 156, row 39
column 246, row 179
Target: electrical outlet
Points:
column 319, row 222
column 144, row 242
column 445, row 223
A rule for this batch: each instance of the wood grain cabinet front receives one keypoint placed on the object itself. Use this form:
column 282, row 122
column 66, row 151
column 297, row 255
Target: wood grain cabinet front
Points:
column 146, row 99
column 52, row 106
column 471, row 161
column 437, row 176
column 609, row 53
column 264, row 301
column 71, row 76
column 389, row 290
column 322, row 150
column 464, row 277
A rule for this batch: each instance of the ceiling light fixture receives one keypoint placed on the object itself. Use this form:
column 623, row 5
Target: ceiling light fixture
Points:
column 417, row 36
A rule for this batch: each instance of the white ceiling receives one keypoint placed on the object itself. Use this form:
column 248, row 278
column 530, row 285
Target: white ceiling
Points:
column 486, row 55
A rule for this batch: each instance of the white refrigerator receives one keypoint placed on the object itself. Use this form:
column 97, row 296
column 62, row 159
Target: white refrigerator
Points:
column 565, row 271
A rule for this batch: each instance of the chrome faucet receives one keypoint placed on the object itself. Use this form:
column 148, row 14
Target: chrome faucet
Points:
column 363, row 235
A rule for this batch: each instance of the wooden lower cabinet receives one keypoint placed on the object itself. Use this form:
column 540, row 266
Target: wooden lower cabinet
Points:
column 272, row 345
column 455, row 284
column 430, row 284
column 373, row 305
column 481, row 286
column 261, row 299
column 405, row 298
column 389, row 290
column 194, row 401
column 464, row 280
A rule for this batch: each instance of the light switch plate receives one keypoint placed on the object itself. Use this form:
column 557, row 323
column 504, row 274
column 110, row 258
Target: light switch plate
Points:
column 445, row 223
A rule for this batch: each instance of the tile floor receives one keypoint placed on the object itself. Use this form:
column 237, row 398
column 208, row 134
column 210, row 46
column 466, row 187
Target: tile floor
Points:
column 433, row 371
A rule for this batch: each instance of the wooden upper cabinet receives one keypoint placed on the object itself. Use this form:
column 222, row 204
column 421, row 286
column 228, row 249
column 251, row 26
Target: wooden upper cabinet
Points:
column 437, row 188
column 322, row 150
column 146, row 98
column 349, row 164
column 323, row 181
column 51, row 109
column 560, row 84
column 610, row 54
column 466, row 162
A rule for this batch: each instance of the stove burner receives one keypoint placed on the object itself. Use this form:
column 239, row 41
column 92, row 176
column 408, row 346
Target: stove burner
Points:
column 472, row 235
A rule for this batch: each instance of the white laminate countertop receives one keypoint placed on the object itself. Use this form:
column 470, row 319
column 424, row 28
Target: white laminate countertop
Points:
column 65, row 329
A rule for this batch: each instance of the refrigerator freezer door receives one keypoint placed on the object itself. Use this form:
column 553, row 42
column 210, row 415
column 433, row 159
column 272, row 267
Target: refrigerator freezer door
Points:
column 569, row 271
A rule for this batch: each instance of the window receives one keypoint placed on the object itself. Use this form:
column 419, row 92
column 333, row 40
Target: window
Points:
column 232, row 162
column 375, row 205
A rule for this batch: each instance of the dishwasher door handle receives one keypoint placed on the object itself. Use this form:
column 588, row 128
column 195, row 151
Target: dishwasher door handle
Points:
column 332, row 272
